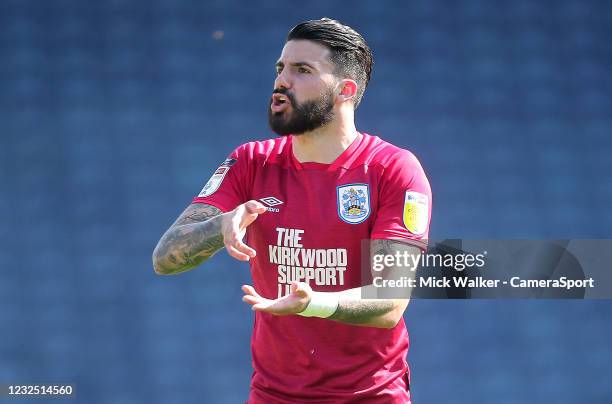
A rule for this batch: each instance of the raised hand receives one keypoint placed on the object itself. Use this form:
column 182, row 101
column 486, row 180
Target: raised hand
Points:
column 233, row 229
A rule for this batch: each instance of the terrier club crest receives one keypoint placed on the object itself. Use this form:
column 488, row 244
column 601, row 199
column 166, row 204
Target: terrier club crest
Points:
column 354, row 203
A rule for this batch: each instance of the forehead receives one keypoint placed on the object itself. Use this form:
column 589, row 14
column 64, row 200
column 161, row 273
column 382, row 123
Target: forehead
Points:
column 297, row 51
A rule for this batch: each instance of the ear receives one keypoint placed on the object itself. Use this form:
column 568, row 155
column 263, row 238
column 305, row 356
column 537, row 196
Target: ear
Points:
column 348, row 90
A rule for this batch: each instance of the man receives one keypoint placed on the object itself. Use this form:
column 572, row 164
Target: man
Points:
column 305, row 201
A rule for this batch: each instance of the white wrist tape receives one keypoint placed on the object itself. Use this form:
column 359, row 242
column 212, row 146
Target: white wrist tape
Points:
column 321, row 305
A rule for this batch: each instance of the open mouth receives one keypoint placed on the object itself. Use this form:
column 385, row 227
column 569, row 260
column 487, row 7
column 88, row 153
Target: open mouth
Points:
column 279, row 103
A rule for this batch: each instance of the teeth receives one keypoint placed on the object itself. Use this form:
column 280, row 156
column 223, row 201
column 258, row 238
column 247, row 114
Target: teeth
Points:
column 280, row 99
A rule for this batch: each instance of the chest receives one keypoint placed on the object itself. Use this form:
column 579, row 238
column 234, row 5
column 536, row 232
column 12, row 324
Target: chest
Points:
column 337, row 205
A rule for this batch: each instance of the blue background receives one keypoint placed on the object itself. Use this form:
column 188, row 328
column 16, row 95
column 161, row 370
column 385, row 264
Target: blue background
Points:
column 113, row 114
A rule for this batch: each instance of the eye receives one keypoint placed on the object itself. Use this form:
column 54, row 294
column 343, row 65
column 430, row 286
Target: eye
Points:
column 303, row 70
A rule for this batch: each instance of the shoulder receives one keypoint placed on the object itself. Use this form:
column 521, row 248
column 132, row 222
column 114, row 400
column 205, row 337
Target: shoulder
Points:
column 388, row 156
column 269, row 150
column 397, row 167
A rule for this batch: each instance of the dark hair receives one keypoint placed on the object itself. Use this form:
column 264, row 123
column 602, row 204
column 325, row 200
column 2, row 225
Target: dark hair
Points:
column 349, row 51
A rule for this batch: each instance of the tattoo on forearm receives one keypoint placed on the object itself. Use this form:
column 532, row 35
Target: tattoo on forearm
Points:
column 361, row 311
column 196, row 213
column 367, row 311
column 191, row 240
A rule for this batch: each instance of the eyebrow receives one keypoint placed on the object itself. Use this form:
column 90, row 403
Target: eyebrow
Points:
column 297, row 64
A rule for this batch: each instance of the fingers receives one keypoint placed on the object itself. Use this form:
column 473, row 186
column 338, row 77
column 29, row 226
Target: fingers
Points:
column 240, row 251
column 251, row 300
column 245, row 249
column 286, row 305
column 257, row 302
column 237, row 249
column 234, row 229
column 249, row 290
column 234, row 252
column 254, row 299
column 279, row 307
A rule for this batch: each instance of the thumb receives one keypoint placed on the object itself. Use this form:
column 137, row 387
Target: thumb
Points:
column 299, row 288
column 254, row 207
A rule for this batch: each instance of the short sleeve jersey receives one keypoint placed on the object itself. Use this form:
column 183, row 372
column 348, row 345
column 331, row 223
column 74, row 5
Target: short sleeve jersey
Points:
column 317, row 217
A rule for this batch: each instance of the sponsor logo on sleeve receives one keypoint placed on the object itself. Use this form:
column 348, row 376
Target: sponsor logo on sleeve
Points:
column 217, row 178
column 353, row 203
column 416, row 212
column 228, row 162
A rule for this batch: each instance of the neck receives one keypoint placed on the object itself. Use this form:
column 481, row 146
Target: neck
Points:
column 325, row 144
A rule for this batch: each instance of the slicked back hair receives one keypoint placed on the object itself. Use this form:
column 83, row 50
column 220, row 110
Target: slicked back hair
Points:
column 350, row 53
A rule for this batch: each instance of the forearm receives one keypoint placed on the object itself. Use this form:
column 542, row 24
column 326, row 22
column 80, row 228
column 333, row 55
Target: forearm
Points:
column 384, row 313
column 185, row 246
column 380, row 313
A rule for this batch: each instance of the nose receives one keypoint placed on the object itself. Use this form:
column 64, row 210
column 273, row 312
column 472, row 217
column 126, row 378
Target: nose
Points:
column 282, row 80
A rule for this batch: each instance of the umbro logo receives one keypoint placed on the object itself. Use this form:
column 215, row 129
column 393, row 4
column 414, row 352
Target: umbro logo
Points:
column 271, row 201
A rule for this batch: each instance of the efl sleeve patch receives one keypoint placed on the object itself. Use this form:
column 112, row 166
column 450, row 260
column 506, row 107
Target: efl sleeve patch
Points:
column 217, row 178
column 416, row 212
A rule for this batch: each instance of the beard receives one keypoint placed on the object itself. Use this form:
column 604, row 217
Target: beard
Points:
column 304, row 117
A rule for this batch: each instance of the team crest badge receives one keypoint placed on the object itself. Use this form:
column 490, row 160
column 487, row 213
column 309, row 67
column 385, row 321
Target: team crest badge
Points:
column 416, row 212
column 217, row 178
column 354, row 203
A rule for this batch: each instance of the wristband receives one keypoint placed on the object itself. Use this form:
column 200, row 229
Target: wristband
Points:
column 321, row 304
